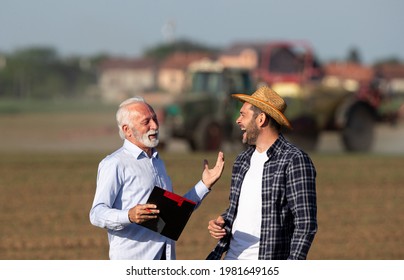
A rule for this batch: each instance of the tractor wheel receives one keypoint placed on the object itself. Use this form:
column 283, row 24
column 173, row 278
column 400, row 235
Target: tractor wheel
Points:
column 305, row 133
column 208, row 137
column 358, row 134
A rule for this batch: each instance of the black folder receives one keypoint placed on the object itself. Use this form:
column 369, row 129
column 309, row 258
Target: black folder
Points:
column 175, row 212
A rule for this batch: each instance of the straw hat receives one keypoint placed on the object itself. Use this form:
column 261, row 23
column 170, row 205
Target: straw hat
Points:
column 268, row 101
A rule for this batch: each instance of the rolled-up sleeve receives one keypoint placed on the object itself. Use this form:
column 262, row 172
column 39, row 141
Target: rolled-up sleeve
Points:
column 301, row 196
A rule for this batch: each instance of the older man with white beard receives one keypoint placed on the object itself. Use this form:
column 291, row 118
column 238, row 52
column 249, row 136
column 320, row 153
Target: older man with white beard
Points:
column 127, row 177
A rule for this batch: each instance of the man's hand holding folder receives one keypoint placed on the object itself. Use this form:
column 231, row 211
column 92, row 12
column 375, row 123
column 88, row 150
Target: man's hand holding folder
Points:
column 174, row 214
column 168, row 213
column 142, row 213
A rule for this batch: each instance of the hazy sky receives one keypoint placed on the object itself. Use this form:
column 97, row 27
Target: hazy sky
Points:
column 127, row 27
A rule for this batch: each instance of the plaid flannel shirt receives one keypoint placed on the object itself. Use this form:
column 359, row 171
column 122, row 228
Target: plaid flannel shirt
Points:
column 289, row 207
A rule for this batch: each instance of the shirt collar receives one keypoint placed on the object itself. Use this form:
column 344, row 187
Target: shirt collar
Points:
column 276, row 146
column 136, row 151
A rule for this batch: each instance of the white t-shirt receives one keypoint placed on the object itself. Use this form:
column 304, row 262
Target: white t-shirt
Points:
column 246, row 229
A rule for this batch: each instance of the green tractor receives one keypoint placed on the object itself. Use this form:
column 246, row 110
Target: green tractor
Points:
column 204, row 115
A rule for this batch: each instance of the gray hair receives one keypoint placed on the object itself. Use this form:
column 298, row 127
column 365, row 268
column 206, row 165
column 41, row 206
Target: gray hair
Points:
column 124, row 116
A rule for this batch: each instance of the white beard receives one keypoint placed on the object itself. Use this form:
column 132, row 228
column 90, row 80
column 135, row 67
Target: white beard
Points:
column 145, row 140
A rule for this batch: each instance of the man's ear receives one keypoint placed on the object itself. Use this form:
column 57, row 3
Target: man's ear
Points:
column 262, row 119
column 126, row 129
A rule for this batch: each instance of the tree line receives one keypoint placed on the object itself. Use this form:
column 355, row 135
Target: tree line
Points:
column 40, row 73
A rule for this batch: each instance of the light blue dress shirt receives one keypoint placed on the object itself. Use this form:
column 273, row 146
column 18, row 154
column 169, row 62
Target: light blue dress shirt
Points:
column 125, row 179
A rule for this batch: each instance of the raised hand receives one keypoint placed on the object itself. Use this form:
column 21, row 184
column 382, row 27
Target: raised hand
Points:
column 210, row 176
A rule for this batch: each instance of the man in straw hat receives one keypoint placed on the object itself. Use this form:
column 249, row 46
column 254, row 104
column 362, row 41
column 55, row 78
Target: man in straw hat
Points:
column 272, row 211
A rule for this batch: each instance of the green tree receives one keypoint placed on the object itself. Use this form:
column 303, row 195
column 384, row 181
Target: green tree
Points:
column 161, row 51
